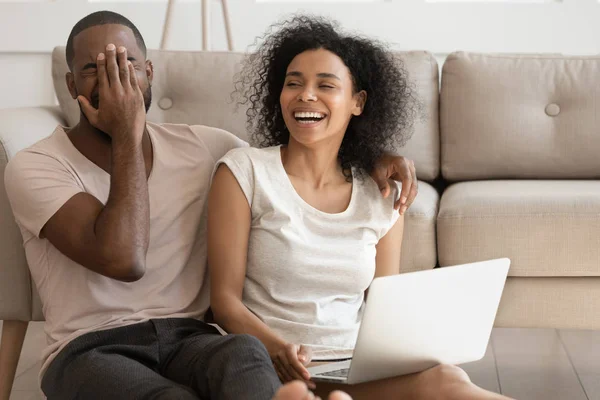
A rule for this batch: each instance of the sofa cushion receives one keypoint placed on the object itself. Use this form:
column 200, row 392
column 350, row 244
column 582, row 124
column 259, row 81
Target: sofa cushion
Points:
column 196, row 87
column 559, row 303
column 424, row 146
column 520, row 116
column 188, row 88
column 419, row 241
column 546, row 228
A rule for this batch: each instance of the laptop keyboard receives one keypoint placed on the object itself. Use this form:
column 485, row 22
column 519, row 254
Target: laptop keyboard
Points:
column 338, row 373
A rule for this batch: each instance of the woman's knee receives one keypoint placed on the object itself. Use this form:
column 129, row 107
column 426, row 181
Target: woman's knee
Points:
column 441, row 380
column 447, row 374
column 446, row 382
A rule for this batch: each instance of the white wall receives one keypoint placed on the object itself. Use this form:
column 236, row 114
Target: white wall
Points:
column 29, row 30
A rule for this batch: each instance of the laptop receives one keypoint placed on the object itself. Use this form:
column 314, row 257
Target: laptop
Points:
column 417, row 320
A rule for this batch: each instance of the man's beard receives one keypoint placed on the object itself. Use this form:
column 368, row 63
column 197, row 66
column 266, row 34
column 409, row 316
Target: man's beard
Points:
column 95, row 102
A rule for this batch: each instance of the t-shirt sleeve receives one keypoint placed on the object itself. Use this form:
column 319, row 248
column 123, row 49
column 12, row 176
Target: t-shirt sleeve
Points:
column 218, row 141
column 37, row 185
column 240, row 164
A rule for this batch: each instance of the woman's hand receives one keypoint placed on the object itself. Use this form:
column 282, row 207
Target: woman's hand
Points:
column 290, row 361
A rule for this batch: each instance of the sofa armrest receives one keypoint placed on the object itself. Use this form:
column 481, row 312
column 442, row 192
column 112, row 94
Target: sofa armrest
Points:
column 22, row 127
column 19, row 128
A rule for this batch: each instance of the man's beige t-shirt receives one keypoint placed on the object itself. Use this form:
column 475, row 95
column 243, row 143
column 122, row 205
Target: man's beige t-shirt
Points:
column 41, row 179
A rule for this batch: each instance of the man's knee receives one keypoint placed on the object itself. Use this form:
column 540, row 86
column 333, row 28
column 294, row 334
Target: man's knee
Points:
column 243, row 344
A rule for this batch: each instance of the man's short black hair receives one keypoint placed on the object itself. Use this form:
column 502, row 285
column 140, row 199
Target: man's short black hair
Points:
column 101, row 18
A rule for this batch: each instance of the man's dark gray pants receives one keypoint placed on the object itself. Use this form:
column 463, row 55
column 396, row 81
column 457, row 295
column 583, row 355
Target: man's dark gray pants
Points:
column 175, row 358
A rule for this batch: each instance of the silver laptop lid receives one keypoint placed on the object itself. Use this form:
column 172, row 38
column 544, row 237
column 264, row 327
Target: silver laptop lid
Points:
column 417, row 320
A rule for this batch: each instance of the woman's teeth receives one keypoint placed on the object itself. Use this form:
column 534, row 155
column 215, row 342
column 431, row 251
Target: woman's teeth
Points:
column 308, row 117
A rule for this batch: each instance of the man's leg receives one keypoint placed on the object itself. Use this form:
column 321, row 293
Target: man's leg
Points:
column 219, row 367
column 114, row 364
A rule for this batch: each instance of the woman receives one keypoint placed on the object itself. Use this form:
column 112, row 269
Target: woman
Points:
column 297, row 229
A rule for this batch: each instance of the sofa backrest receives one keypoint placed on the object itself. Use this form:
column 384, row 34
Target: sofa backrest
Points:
column 196, row 87
column 188, row 88
column 520, row 116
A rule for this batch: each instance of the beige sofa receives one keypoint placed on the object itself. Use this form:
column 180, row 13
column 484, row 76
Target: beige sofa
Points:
column 496, row 128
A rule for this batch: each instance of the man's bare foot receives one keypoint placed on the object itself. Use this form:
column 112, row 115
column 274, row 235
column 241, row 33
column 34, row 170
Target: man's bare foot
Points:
column 297, row 390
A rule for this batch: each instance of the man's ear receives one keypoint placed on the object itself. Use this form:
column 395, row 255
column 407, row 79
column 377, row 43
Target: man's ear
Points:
column 149, row 71
column 70, row 79
column 360, row 100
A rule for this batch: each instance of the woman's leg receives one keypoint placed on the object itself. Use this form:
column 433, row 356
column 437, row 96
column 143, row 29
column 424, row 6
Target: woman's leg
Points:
column 444, row 382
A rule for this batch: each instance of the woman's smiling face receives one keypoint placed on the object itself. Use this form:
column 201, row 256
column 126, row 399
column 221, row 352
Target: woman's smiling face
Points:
column 318, row 98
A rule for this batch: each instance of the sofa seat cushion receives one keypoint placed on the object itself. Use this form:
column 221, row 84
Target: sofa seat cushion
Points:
column 547, row 228
column 418, row 244
column 559, row 303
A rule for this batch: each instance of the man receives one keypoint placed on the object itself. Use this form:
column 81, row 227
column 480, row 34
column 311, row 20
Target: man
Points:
column 111, row 213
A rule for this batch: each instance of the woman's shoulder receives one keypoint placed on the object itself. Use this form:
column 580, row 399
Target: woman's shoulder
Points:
column 371, row 195
column 369, row 188
column 250, row 153
column 250, row 161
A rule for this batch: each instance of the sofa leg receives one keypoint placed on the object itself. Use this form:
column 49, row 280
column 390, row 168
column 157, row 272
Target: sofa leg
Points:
column 13, row 335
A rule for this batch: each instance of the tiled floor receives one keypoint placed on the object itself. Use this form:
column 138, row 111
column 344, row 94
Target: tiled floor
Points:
column 528, row 364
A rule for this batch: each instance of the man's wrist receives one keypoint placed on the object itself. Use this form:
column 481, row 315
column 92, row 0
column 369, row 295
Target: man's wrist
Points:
column 128, row 139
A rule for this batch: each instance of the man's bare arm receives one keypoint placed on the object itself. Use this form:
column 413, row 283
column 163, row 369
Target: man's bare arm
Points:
column 111, row 239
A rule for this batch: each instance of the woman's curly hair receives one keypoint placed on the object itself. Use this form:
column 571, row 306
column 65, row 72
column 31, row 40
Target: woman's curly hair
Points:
column 389, row 112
